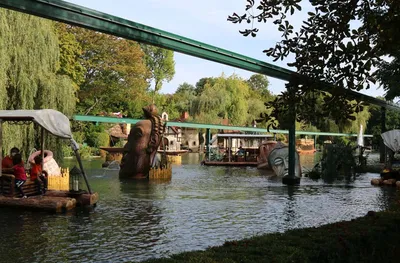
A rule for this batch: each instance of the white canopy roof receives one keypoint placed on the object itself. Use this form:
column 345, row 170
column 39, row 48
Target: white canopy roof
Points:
column 392, row 139
column 51, row 120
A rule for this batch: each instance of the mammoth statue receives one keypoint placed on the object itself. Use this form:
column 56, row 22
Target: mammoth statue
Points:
column 275, row 155
column 140, row 152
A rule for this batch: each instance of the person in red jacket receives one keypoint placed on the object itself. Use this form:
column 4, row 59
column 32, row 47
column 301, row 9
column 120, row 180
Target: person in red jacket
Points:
column 19, row 172
column 39, row 176
column 7, row 161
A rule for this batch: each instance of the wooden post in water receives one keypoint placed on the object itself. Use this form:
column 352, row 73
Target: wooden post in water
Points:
column 229, row 148
column 208, row 143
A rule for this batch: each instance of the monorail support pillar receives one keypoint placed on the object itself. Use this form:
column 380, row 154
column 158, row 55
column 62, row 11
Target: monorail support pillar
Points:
column 291, row 178
column 382, row 147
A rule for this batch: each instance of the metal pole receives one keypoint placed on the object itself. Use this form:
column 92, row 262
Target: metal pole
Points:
column 229, row 148
column 208, row 143
column 42, row 147
column 78, row 158
column 291, row 178
column 383, row 129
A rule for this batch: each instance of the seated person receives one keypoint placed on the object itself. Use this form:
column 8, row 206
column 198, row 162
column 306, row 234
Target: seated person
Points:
column 240, row 151
column 39, row 176
column 19, row 172
column 7, row 161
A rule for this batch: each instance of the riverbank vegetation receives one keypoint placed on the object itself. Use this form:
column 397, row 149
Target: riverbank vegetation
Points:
column 372, row 238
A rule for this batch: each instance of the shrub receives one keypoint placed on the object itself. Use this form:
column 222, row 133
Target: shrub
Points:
column 79, row 136
column 98, row 139
column 66, row 150
column 85, row 151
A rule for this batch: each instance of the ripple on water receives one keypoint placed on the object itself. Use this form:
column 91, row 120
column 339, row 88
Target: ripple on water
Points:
column 200, row 207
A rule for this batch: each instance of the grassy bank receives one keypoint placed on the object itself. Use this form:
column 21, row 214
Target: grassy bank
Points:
column 372, row 238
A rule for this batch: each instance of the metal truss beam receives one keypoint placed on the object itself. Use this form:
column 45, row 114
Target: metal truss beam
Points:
column 85, row 17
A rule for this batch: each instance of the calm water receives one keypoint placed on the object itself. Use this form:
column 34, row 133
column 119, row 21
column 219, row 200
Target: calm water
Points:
column 200, row 207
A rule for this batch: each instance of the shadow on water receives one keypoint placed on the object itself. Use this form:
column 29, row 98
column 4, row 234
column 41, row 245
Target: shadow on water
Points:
column 199, row 207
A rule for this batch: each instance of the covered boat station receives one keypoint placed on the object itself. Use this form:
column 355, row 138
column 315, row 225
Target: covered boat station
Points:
column 85, row 17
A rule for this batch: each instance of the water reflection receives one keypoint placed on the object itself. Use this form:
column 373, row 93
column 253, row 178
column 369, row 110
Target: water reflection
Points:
column 200, row 206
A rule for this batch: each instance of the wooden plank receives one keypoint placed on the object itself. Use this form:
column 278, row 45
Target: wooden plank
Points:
column 39, row 203
column 81, row 199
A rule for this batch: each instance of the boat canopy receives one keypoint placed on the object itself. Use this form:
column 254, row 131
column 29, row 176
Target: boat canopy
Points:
column 240, row 136
column 392, row 140
column 51, row 120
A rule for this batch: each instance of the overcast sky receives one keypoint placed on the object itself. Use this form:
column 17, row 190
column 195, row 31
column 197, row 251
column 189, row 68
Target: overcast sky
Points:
column 204, row 21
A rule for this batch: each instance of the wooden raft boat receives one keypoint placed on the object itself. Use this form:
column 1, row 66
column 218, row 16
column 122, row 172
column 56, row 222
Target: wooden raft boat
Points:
column 60, row 197
column 53, row 201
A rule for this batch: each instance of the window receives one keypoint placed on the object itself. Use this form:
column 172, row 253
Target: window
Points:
column 171, row 143
column 194, row 143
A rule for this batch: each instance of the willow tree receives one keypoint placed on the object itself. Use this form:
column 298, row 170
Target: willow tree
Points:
column 226, row 98
column 29, row 55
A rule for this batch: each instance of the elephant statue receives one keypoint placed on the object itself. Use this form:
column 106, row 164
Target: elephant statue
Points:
column 140, row 152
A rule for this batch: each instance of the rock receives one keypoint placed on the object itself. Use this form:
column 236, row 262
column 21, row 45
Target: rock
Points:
column 392, row 181
column 398, row 184
column 375, row 181
column 389, row 182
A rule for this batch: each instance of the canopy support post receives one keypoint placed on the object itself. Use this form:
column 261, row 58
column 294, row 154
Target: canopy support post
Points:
column 208, row 143
column 42, row 146
column 78, row 158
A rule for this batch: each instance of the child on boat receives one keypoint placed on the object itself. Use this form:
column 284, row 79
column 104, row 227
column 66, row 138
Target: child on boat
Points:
column 7, row 161
column 38, row 175
column 19, row 173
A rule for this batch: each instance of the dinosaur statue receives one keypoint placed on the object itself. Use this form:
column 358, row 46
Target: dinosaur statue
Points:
column 140, row 152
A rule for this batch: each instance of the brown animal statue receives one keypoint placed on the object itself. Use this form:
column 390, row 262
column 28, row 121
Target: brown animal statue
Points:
column 143, row 141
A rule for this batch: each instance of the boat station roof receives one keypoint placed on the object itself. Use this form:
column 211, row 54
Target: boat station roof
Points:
column 51, row 120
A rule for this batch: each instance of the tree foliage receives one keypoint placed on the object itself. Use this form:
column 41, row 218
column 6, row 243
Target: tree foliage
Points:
column 115, row 74
column 338, row 44
column 161, row 64
column 31, row 76
column 260, row 83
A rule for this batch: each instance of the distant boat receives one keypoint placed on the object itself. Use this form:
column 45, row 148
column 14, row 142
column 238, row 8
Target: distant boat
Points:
column 305, row 146
column 232, row 153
